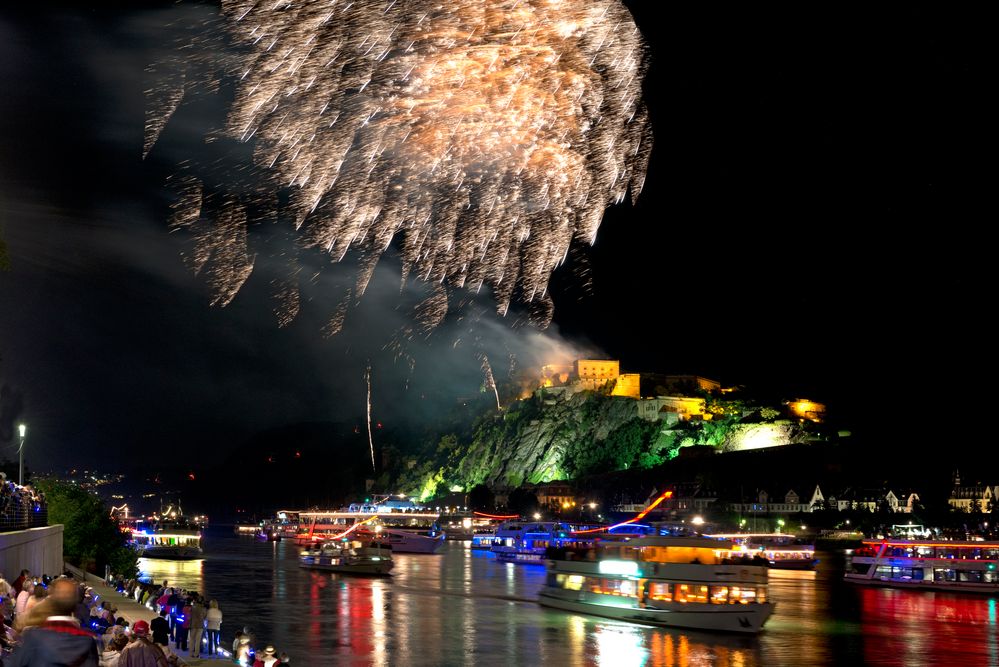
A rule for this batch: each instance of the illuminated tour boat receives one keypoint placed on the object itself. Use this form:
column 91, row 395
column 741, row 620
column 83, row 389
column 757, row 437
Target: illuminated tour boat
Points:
column 926, row 564
column 483, row 541
column 484, row 529
column 780, row 550
column 683, row 582
column 347, row 556
column 519, row 541
column 403, row 530
column 169, row 536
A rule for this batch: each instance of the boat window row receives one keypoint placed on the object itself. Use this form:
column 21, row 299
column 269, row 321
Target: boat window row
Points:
column 938, row 551
column 939, row 574
column 663, row 591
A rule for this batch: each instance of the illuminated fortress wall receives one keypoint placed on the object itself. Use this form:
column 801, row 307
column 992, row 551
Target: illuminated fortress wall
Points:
column 672, row 409
column 628, row 384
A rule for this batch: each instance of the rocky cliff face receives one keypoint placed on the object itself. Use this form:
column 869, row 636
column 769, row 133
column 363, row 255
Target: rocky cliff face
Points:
column 533, row 441
column 559, row 435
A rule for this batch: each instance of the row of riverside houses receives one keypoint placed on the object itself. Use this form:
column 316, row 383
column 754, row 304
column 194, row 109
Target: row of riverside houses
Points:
column 693, row 498
column 973, row 497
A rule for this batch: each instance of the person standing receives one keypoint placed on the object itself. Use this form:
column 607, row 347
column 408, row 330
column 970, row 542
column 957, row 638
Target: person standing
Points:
column 59, row 640
column 183, row 625
column 160, row 627
column 175, row 605
column 198, row 616
column 213, row 625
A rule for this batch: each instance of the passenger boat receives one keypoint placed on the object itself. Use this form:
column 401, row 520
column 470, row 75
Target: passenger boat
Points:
column 780, row 550
column 246, row 528
column 529, row 541
column 407, row 531
column 483, row 541
column 926, row 564
column 347, row 557
column 456, row 525
column 683, row 582
column 169, row 536
column 402, row 541
column 268, row 532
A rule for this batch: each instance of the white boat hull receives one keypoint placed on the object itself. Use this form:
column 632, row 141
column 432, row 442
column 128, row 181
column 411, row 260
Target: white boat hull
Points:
column 941, row 586
column 747, row 619
column 347, row 566
column 519, row 556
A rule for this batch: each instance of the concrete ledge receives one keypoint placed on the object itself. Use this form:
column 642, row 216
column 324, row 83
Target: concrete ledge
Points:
column 35, row 549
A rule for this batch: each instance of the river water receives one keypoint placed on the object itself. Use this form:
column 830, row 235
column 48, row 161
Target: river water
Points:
column 464, row 608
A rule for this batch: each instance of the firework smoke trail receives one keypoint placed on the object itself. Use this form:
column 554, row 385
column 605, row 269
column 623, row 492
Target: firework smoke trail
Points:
column 490, row 380
column 371, row 441
column 481, row 137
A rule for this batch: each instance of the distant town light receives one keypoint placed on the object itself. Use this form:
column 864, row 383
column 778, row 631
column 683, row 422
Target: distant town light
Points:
column 537, row 517
column 697, row 521
column 593, row 506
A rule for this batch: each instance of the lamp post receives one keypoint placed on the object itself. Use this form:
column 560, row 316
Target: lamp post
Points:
column 22, row 430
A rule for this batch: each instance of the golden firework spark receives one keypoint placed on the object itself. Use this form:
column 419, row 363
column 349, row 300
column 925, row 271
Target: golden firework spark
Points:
column 481, row 136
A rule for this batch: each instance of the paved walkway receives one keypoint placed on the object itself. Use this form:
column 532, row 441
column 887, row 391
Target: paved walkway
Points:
column 132, row 611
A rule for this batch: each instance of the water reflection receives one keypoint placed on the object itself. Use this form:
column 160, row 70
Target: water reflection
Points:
column 184, row 573
column 464, row 608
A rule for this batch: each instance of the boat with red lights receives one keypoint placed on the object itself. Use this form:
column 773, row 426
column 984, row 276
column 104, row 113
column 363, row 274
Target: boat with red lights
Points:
column 683, row 582
column 940, row 565
column 405, row 531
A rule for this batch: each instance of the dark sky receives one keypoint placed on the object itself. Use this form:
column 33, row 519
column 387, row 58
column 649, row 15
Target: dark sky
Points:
column 811, row 221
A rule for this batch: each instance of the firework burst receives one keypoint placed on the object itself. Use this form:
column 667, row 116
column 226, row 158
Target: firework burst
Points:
column 481, row 137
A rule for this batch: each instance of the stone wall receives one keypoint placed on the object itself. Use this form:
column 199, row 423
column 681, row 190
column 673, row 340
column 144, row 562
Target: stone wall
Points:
column 35, row 549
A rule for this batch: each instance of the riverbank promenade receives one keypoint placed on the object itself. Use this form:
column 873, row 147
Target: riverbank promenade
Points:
column 132, row 611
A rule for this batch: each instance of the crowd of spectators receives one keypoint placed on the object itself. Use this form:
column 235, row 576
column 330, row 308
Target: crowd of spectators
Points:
column 20, row 506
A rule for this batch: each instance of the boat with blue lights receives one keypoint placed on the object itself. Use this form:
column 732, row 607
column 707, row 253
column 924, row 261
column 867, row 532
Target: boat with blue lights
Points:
column 519, row 541
column 347, row 557
column 939, row 565
column 683, row 582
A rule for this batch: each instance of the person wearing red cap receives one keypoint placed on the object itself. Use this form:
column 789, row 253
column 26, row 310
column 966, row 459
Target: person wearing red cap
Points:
column 142, row 652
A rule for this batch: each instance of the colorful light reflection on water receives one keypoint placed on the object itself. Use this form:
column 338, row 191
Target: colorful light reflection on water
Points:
column 464, row 608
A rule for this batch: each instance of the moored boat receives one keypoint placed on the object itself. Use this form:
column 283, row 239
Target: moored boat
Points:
column 963, row 567
column 407, row 531
column 347, row 557
column 781, row 551
column 169, row 540
column 519, row 541
column 483, row 541
column 684, row 582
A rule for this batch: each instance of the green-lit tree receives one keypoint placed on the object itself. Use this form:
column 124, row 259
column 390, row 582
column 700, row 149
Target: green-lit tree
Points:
column 91, row 539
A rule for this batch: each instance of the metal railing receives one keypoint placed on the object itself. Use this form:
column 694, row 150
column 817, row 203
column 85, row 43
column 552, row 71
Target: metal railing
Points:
column 19, row 515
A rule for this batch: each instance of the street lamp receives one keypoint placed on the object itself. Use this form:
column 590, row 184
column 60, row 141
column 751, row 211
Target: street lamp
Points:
column 22, row 430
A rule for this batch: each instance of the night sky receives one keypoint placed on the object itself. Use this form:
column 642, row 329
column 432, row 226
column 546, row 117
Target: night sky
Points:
column 811, row 222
